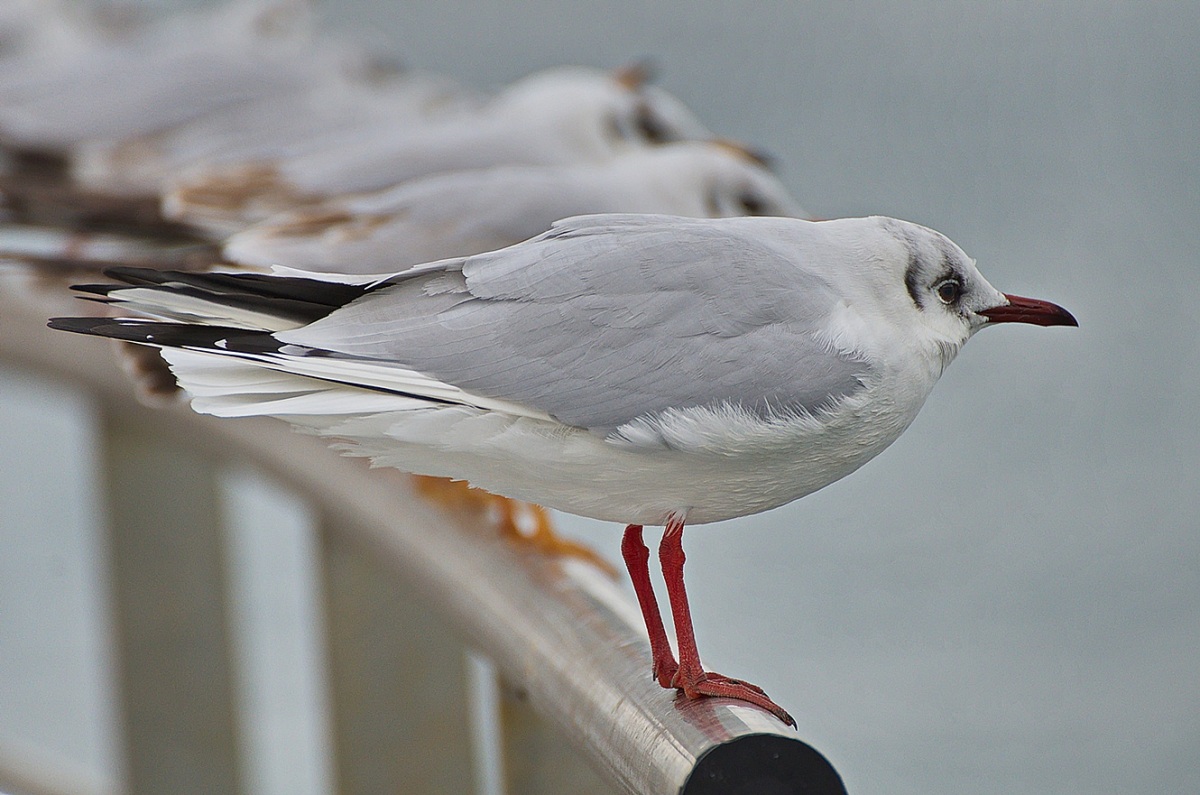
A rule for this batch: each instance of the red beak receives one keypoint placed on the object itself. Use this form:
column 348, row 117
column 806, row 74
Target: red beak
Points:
column 1029, row 310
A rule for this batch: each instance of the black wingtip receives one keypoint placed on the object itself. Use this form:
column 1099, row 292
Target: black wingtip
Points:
column 126, row 276
column 323, row 296
column 132, row 274
column 113, row 328
column 78, row 325
column 170, row 335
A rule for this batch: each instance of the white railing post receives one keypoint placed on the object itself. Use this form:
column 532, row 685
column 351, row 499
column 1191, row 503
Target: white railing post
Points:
column 397, row 679
column 169, row 597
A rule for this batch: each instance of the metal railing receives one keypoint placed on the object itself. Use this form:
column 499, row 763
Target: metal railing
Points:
column 408, row 587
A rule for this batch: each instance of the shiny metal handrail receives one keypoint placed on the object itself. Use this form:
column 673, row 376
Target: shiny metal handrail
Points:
column 561, row 634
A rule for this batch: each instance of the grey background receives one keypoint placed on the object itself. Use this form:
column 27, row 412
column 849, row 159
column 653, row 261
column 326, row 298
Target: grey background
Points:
column 1007, row 600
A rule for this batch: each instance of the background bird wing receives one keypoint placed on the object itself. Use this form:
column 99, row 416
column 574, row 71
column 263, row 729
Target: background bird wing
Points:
column 605, row 319
column 446, row 215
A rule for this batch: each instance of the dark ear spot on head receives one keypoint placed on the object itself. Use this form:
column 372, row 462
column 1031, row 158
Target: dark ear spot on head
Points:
column 912, row 281
column 912, row 273
column 649, row 126
column 950, row 264
column 751, row 203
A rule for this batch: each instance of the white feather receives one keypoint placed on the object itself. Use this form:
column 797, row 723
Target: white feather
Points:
column 192, row 309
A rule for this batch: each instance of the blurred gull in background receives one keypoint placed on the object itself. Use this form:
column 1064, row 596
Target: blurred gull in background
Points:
column 469, row 212
column 557, row 116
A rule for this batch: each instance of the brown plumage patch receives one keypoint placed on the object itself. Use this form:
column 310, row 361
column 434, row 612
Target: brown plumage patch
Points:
column 306, row 223
column 360, row 226
column 232, row 189
column 633, row 76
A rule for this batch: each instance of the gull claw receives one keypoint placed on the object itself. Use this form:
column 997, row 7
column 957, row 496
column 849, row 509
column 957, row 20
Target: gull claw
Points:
column 665, row 673
column 707, row 684
column 713, row 685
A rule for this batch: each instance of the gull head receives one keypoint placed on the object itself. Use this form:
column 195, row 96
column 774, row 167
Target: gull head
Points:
column 946, row 286
column 707, row 179
column 923, row 290
column 591, row 115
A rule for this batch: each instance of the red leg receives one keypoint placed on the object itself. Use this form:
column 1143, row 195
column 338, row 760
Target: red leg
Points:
column 637, row 557
column 691, row 677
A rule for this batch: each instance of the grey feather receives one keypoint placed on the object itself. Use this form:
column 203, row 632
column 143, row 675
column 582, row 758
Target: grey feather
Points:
column 605, row 319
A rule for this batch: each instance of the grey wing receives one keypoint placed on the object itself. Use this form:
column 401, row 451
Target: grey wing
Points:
column 468, row 212
column 605, row 319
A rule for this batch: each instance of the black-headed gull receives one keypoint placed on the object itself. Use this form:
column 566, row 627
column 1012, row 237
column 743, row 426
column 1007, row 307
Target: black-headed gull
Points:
column 638, row 369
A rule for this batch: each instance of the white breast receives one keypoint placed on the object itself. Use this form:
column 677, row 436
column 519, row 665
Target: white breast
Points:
column 709, row 465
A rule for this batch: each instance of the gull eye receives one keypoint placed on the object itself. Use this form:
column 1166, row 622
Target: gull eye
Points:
column 752, row 205
column 650, row 127
column 948, row 290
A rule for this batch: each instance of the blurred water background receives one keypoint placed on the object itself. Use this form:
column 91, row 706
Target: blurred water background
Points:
column 1008, row 599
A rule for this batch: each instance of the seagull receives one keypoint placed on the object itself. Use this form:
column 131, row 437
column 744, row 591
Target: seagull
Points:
column 645, row 370
column 469, row 212
column 556, row 116
column 564, row 114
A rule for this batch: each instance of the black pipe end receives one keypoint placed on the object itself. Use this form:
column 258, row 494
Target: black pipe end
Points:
column 763, row 764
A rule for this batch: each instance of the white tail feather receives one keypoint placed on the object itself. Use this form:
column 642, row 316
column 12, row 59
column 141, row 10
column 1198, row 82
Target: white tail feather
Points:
column 192, row 309
column 209, row 374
